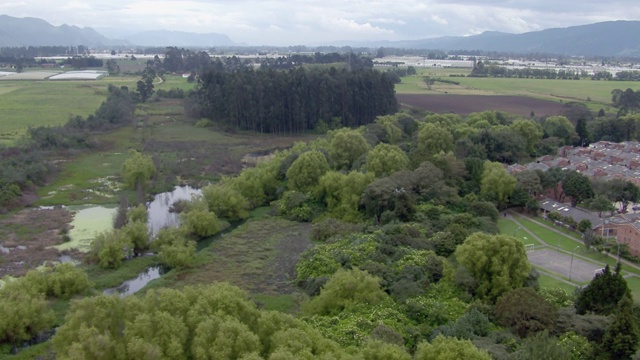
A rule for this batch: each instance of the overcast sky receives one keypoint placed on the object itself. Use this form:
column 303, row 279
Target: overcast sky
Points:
column 275, row 22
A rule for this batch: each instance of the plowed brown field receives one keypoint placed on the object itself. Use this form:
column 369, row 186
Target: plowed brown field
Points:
column 466, row 104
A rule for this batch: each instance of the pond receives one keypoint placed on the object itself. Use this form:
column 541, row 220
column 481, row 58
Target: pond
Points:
column 160, row 214
column 90, row 220
column 132, row 286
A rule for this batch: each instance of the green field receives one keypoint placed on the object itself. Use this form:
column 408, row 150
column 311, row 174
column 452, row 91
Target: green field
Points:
column 48, row 103
column 27, row 104
column 549, row 282
column 596, row 94
column 508, row 227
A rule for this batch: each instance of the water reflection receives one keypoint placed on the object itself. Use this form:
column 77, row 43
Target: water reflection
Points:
column 159, row 214
column 134, row 285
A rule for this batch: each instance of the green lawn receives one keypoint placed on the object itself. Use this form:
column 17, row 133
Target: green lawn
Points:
column 634, row 286
column 509, row 227
column 548, row 282
column 569, row 244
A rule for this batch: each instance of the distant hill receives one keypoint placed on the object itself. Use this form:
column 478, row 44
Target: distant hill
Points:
column 612, row 38
column 37, row 32
column 179, row 39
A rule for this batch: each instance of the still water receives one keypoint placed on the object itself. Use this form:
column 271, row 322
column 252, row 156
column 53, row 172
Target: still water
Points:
column 159, row 209
column 134, row 285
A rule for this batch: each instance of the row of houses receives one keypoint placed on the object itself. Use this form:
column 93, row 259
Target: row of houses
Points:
column 603, row 160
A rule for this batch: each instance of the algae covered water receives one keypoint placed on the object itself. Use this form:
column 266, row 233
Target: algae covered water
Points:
column 90, row 220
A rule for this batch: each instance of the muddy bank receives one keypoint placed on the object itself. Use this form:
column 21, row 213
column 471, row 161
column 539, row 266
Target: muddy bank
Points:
column 26, row 238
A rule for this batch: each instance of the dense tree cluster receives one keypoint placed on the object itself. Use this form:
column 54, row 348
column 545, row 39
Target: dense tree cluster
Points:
column 24, row 311
column 352, row 61
column 292, row 101
column 492, row 70
column 83, row 62
column 627, row 101
column 42, row 51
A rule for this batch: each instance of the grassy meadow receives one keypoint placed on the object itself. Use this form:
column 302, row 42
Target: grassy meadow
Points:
column 27, row 103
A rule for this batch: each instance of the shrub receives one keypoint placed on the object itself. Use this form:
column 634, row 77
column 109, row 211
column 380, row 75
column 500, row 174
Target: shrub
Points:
column 174, row 248
column 178, row 255
column 226, row 202
column 203, row 223
column 346, row 288
column 62, row 281
column 23, row 312
column 525, row 312
column 109, row 249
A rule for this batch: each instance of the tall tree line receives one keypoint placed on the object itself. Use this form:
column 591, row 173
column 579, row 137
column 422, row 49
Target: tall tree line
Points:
column 295, row 100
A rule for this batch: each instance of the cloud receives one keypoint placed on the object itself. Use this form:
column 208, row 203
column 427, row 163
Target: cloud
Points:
column 76, row 5
column 309, row 21
column 439, row 20
column 389, row 21
column 353, row 26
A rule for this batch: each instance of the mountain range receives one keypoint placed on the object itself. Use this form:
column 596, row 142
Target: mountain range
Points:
column 37, row 32
column 613, row 38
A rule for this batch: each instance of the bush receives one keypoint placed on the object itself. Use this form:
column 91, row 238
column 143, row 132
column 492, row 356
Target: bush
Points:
column 226, row 202
column 23, row 312
column 61, row 281
column 555, row 216
column 174, row 248
column 471, row 325
column 136, row 233
column 344, row 290
column 178, row 255
column 330, row 227
column 203, row 223
column 138, row 213
column 447, row 348
column 109, row 249
column 525, row 312
column 296, row 206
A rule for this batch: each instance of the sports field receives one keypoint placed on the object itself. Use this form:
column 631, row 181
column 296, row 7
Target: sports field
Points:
column 563, row 260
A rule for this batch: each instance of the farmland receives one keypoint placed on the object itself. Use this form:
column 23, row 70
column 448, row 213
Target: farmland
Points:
column 595, row 94
column 33, row 103
column 27, row 104
column 466, row 104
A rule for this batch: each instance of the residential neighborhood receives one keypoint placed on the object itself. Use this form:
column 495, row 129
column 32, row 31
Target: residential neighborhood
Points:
column 603, row 160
